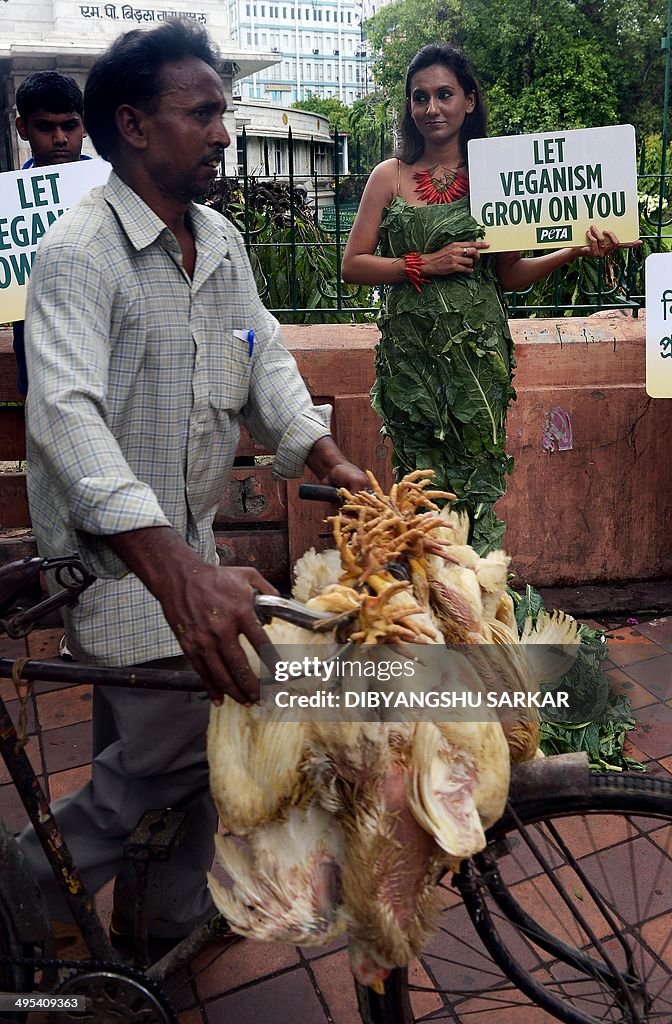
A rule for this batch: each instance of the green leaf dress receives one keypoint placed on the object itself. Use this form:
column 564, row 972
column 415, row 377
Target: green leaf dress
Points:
column 444, row 366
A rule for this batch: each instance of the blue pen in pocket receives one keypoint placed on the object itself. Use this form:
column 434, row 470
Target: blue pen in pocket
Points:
column 247, row 336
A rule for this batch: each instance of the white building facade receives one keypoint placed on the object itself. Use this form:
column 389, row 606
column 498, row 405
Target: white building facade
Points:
column 319, row 45
column 67, row 36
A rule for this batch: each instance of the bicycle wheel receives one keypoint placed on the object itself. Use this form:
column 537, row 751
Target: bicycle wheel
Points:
column 572, row 899
column 24, row 928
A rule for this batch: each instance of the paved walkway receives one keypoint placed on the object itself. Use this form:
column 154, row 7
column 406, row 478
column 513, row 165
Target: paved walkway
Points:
column 282, row 984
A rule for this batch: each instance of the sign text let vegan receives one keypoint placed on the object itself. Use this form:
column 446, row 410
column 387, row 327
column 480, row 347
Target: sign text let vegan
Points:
column 544, row 191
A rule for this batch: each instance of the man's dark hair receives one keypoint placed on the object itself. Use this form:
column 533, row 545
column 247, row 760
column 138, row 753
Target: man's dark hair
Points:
column 49, row 91
column 412, row 144
column 130, row 72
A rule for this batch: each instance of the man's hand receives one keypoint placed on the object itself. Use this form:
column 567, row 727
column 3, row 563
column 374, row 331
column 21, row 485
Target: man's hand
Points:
column 216, row 606
column 206, row 606
column 330, row 466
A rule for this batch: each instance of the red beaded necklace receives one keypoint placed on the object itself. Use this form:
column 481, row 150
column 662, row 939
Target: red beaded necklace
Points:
column 444, row 188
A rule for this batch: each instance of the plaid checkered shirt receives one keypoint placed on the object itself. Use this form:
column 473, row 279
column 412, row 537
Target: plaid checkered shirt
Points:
column 138, row 377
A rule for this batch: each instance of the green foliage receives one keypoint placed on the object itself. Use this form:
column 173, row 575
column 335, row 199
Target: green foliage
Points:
column 369, row 125
column 616, row 280
column 608, row 716
column 544, row 64
column 444, row 375
column 294, row 262
column 337, row 112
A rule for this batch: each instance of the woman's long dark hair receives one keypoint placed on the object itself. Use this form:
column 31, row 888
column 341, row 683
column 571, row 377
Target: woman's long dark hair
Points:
column 412, row 144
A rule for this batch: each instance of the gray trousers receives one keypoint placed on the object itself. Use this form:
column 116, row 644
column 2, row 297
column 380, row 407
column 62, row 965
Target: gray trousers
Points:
column 148, row 752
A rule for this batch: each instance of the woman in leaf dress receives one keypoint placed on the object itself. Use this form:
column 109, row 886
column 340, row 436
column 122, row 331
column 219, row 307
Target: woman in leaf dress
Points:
column 444, row 364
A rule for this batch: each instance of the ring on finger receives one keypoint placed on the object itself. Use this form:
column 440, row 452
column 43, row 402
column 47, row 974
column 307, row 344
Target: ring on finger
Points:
column 465, row 252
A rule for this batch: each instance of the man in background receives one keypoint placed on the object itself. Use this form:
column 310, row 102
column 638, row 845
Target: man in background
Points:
column 49, row 107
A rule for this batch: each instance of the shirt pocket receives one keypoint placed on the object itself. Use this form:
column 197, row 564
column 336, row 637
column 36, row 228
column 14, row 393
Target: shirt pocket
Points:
column 230, row 375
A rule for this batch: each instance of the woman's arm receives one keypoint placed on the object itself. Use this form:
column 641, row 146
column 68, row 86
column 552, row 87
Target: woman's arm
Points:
column 359, row 265
column 516, row 273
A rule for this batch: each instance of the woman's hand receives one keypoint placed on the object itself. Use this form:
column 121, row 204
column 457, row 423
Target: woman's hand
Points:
column 602, row 243
column 456, row 258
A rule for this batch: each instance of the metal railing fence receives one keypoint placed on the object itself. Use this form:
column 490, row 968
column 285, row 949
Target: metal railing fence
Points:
column 295, row 212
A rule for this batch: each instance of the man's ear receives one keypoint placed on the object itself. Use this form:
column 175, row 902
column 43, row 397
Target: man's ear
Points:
column 131, row 125
column 21, row 128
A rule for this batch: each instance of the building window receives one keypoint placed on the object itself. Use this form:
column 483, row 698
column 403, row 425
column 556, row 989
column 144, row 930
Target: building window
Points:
column 247, row 10
column 349, row 17
column 320, row 158
column 249, row 39
column 278, row 158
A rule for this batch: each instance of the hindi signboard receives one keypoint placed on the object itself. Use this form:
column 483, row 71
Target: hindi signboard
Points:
column 544, row 191
column 30, row 202
column 658, row 287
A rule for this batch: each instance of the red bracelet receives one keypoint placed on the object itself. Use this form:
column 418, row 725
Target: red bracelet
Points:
column 413, row 264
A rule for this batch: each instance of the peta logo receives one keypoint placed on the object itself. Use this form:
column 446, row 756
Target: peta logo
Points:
column 562, row 233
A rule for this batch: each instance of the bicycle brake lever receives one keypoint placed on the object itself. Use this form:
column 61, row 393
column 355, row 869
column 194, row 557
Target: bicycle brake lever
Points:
column 320, row 492
column 268, row 607
column 72, row 576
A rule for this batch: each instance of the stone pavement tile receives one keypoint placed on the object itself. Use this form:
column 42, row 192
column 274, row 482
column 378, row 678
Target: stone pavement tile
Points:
column 621, row 682
column 241, row 964
column 657, row 933
column 310, row 953
column 32, row 749
column 586, row 835
column 13, row 710
column 65, row 707
column 630, row 750
column 190, row 1017
column 336, row 985
column 287, row 999
column 67, row 747
column 515, row 1008
column 642, row 862
column 12, row 811
column 425, row 1000
column 62, row 783
column 658, row 630
column 457, row 960
column 628, row 646
column 10, row 648
column 653, row 731
column 43, row 643
column 655, row 675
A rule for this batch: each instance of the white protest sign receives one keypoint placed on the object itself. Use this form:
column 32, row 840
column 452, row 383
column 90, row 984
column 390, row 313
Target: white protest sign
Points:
column 544, row 191
column 658, row 288
column 30, row 202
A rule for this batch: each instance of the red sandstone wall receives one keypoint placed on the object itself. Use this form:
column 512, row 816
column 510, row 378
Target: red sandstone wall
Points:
column 595, row 510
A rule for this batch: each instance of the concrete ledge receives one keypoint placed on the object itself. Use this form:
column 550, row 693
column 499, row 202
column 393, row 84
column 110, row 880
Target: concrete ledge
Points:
column 590, row 509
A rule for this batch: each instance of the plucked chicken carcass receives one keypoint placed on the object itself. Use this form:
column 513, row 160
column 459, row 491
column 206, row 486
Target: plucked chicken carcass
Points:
column 345, row 825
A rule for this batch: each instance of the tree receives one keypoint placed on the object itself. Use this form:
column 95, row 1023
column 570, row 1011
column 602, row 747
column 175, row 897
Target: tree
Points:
column 331, row 108
column 544, row 64
column 369, row 125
